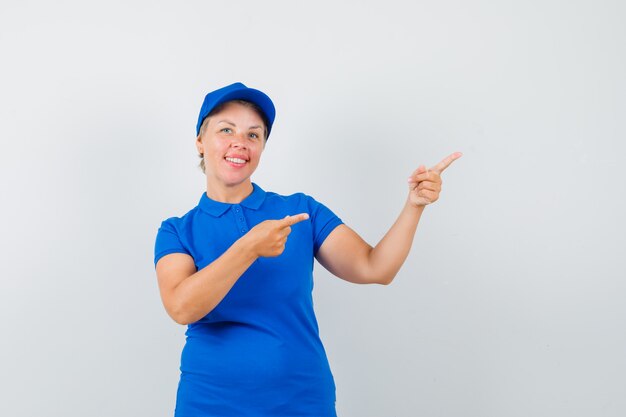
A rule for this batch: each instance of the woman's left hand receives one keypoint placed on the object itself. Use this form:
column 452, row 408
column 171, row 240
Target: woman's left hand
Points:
column 425, row 184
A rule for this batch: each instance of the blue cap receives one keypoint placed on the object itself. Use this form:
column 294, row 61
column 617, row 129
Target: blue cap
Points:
column 237, row 91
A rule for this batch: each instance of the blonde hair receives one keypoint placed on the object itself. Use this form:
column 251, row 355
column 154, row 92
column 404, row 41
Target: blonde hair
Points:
column 219, row 108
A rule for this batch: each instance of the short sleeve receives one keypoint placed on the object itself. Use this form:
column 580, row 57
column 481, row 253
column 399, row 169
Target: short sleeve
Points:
column 323, row 221
column 167, row 241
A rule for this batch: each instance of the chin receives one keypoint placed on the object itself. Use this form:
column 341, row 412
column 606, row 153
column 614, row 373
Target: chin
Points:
column 229, row 179
column 233, row 182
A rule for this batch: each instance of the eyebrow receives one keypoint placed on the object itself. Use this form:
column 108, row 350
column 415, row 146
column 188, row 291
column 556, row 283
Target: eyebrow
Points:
column 232, row 124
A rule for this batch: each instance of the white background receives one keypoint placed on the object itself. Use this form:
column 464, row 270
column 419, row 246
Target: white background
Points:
column 511, row 302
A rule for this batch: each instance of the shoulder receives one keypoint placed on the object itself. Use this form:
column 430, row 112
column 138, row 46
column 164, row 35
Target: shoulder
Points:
column 272, row 196
column 179, row 224
column 293, row 201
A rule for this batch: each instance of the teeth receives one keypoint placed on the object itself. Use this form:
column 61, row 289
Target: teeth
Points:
column 236, row 160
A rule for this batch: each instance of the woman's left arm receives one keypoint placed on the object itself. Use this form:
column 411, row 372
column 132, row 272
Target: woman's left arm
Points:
column 345, row 254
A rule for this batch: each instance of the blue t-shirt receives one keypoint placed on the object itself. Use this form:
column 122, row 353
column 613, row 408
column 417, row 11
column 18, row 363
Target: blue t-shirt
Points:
column 258, row 352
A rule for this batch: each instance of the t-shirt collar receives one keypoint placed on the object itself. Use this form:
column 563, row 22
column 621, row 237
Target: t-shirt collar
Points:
column 217, row 208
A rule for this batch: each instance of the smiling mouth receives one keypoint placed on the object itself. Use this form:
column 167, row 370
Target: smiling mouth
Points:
column 236, row 160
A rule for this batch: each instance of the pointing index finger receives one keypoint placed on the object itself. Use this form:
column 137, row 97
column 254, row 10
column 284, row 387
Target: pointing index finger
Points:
column 445, row 163
column 296, row 218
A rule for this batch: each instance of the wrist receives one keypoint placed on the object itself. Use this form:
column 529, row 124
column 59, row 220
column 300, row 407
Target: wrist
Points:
column 412, row 206
column 247, row 248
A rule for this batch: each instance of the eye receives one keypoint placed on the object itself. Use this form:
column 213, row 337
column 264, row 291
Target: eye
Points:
column 254, row 135
column 227, row 130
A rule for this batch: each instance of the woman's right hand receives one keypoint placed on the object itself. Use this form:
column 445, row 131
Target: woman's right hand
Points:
column 269, row 237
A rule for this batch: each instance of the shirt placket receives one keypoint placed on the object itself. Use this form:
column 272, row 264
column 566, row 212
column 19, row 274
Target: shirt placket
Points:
column 240, row 219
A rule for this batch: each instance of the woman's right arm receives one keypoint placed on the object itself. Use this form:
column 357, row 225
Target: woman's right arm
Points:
column 189, row 295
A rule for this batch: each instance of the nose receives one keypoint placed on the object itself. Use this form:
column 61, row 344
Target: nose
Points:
column 238, row 141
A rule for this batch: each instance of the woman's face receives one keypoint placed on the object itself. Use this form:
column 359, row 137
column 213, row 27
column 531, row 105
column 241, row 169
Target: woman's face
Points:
column 232, row 144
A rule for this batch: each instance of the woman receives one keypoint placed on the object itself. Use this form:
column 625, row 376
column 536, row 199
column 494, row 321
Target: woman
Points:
column 237, row 269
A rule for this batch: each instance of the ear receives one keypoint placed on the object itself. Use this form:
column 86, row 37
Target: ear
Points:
column 199, row 144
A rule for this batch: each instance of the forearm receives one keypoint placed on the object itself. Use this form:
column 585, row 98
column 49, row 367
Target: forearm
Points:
column 386, row 258
column 201, row 292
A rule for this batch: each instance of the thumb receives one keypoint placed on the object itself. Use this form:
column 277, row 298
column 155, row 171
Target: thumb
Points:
column 420, row 170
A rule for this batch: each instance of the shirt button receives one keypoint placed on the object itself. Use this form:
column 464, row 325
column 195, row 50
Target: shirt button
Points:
column 237, row 209
column 241, row 219
column 243, row 230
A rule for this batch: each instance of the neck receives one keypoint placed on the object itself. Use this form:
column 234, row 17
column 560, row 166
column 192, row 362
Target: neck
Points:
column 231, row 194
